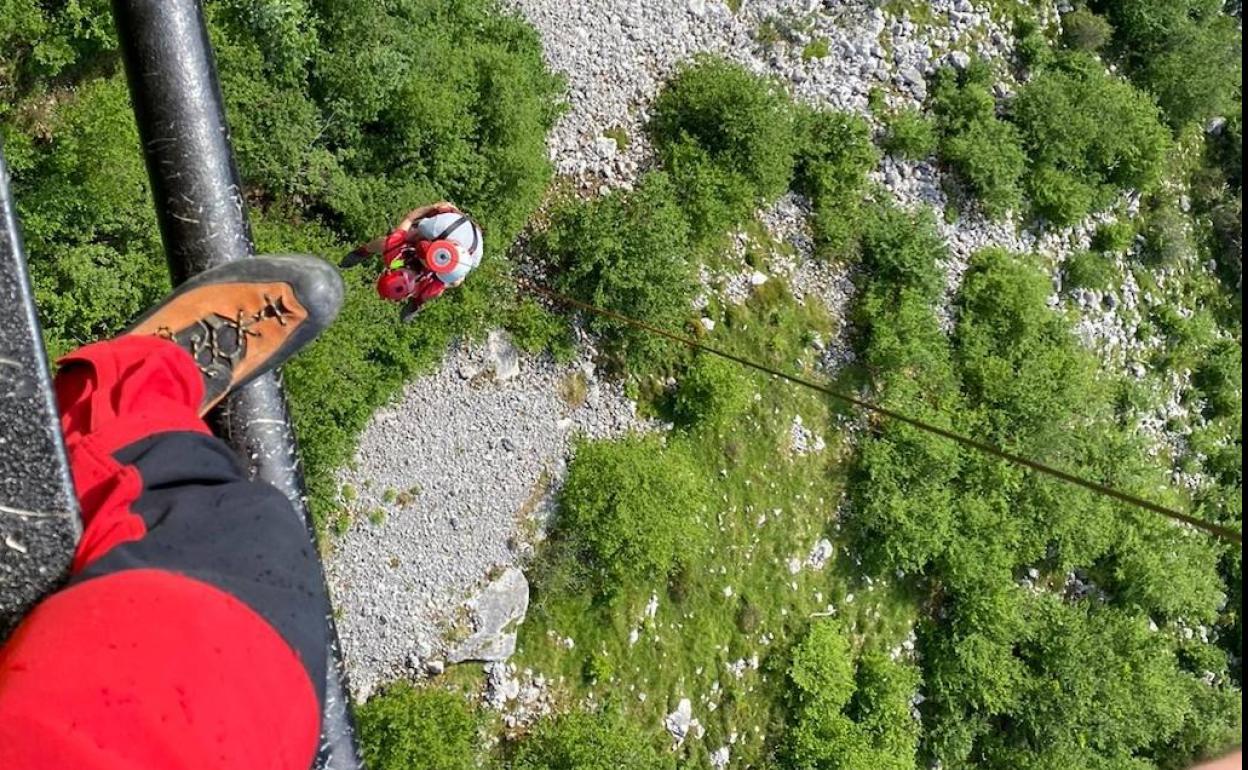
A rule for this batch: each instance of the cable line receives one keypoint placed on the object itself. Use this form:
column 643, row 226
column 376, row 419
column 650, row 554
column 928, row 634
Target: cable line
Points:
column 1217, row 530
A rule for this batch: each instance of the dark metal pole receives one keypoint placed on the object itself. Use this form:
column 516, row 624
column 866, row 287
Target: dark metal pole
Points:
column 39, row 523
column 203, row 222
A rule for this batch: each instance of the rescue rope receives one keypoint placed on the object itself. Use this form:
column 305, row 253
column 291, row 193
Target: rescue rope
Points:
column 1217, row 530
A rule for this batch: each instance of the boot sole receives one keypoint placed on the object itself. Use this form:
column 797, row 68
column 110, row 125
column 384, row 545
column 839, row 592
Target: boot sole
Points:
column 316, row 284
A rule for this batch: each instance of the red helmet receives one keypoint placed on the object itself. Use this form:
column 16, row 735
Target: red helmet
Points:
column 440, row 257
column 396, row 284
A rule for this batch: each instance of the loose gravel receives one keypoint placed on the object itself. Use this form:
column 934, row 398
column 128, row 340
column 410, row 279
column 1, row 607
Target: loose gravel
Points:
column 448, row 485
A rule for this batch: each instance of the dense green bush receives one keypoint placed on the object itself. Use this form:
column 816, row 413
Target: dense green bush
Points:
column 821, row 668
column 845, row 715
column 1087, row 135
column 1186, row 52
column 1084, row 30
column 984, row 150
column 406, row 727
column 588, row 741
column 711, row 392
column 627, row 252
column 1089, row 270
column 1114, row 237
column 1013, row 375
column 95, row 255
column 338, row 129
column 632, row 509
column 536, row 329
column 834, row 154
column 715, row 112
column 909, row 134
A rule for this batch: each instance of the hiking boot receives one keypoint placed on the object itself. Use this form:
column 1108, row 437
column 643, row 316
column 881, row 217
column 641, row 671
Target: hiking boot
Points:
column 244, row 318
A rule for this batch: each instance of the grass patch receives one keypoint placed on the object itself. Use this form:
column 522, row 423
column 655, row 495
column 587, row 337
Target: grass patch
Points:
column 816, row 49
column 574, row 390
column 620, row 136
column 722, row 627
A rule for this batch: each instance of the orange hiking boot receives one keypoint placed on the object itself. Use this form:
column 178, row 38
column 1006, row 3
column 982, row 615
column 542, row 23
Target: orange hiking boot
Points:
column 242, row 319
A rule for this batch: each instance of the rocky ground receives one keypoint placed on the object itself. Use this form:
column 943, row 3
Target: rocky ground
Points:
column 447, row 488
column 485, row 451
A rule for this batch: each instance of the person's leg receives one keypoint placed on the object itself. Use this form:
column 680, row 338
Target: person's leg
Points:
column 429, row 288
column 192, row 633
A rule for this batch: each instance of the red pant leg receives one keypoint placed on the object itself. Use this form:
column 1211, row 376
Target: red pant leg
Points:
column 142, row 667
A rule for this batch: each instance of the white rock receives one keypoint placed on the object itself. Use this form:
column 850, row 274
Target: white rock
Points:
column 820, row 554
column 679, row 722
column 502, row 355
column 720, row 758
column 758, row 279
column 497, row 611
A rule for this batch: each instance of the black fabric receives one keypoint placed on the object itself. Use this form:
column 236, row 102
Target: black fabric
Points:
column 205, row 520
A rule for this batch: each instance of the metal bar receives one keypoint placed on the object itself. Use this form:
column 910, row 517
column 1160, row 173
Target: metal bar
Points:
column 203, row 222
column 39, row 523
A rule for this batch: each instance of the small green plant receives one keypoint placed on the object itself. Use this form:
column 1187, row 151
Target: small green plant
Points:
column 601, row 740
column 909, row 134
column 984, row 150
column 574, row 389
column 1114, row 237
column 619, row 135
column 711, row 392
column 816, row 49
column 348, row 493
column 340, row 522
column 1084, row 30
column 598, row 668
column 1090, row 270
column 377, row 517
column 391, row 495
column 630, row 509
column 407, row 727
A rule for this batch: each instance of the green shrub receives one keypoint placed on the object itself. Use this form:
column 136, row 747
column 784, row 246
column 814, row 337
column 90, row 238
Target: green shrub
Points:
column 1114, row 237
column 821, row 669
column 632, row 509
column 985, row 151
column 909, row 134
column 711, row 392
column 627, row 252
column 475, row 134
column 1087, row 135
column 1033, row 47
column 406, row 727
column 1188, row 53
column 589, row 741
column 536, row 329
column 834, row 155
column 740, row 123
column 1167, row 234
column 1089, row 270
column 826, row 729
column 95, row 256
column 1085, row 31
column 904, row 250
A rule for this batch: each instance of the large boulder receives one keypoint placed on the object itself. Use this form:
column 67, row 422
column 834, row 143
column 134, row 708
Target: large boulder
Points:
column 496, row 613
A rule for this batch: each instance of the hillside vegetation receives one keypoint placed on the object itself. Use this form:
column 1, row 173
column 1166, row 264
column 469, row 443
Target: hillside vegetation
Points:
column 827, row 589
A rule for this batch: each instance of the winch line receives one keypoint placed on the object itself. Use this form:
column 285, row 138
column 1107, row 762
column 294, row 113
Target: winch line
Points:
column 1217, row 530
